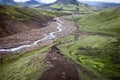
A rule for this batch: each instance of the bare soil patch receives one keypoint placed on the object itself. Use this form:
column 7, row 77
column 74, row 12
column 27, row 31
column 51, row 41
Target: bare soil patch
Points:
column 58, row 67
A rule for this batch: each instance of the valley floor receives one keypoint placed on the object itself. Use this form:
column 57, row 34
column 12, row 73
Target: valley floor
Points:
column 57, row 66
column 72, row 55
column 26, row 38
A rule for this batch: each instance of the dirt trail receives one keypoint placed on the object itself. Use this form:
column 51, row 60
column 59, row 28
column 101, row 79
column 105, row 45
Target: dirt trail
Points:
column 58, row 67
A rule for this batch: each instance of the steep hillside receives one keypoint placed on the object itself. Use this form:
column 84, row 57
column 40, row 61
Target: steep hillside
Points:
column 69, row 6
column 106, row 22
column 14, row 20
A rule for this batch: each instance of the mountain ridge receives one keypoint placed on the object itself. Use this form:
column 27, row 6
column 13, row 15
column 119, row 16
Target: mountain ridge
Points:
column 69, row 6
column 7, row 2
column 101, row 5
column 66, row 1
column 32, row 2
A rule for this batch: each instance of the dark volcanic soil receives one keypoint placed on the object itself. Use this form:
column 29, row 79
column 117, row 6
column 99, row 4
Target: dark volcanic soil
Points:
column 58, row 67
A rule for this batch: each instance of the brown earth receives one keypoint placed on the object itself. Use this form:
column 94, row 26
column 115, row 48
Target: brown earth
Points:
column 9, row 26
column 11, row 23
column 58, row 67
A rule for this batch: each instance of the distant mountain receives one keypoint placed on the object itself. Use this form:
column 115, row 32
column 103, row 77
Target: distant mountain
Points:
column 72, row 6
column 67, row 1
column 7, row 2
column 32, row 2
column 101, row 5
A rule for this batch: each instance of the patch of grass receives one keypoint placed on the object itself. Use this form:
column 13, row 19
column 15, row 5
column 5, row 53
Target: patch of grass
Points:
column 94, row 56
column 23, row 66
column 65, row 39
column 56, row 6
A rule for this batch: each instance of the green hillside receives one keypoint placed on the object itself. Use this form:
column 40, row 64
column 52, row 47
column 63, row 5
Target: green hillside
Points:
column 14, row 20
column 71, row 8
column 96, row 47
column 107, row 22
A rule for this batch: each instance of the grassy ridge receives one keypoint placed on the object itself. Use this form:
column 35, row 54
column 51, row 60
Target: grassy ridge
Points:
column 24, row 13
column 106, row 22
column 23, row 66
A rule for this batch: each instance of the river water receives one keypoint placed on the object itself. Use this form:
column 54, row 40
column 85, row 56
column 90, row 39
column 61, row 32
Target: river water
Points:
column 48, row 36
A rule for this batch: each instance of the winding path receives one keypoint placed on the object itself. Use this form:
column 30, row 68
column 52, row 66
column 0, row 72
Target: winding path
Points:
column 48, row 36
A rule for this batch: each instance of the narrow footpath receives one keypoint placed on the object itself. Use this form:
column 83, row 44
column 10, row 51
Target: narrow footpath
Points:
column 58, row 67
